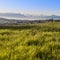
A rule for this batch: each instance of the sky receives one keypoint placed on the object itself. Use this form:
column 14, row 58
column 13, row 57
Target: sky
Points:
column 35, row 7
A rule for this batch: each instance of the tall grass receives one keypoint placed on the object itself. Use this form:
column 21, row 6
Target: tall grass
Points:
column 30, row 42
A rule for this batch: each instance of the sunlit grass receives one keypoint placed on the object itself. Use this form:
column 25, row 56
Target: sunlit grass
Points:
column 34, row 42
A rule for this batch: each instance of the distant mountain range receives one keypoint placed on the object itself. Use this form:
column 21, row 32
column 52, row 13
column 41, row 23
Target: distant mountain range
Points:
column 12, row 21
column 6, row 18
column 27, row 16
column 15, row 21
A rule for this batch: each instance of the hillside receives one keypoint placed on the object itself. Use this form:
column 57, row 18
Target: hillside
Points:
column 15, row 21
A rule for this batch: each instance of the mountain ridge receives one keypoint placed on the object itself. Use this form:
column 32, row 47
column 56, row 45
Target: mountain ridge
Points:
column 27, row 16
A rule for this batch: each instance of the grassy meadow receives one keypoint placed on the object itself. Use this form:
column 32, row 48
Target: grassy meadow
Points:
column 30, row 41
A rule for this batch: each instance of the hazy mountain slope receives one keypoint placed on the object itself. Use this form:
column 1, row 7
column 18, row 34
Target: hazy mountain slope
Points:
column 25, row 16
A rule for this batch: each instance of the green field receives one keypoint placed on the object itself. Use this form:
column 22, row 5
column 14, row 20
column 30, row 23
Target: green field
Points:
column 30, row 42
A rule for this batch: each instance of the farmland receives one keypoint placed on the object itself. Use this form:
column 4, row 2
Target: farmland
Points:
column 30, row 42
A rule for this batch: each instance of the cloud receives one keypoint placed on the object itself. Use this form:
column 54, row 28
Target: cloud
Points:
column 29, row 15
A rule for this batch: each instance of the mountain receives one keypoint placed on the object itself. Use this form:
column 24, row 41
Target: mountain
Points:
column 27, row 16
column 12, row 15
column 15, row 21
column 12, row 21
column 2, row 20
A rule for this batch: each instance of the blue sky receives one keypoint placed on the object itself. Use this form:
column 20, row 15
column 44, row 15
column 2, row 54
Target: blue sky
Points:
column 31, row 6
